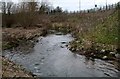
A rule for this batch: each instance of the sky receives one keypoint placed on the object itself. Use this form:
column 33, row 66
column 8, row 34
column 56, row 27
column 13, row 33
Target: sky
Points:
column 73, row 5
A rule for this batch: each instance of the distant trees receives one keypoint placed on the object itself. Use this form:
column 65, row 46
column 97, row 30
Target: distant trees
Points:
column 6, row 14
column 27, row 14
column 57, row 10
column 23, row 13
column 9, row 6
column 3, row 8
column 44, row 8
column 6, row 7
column 32, row 6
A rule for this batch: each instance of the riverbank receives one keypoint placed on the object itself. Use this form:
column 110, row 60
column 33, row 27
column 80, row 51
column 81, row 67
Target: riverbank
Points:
column 16, row 38
column 10, row 69
column 101, row 41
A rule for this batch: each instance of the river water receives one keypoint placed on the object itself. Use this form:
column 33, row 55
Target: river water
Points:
column 51, row 58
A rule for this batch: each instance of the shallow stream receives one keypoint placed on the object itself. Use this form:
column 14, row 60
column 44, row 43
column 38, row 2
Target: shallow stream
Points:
column 50, row 57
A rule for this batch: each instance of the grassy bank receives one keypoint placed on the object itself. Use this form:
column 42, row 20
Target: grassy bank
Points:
column 101, row 39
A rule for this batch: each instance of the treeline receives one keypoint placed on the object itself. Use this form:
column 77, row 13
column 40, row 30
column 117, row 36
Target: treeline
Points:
column 25, row 14
column 98, row 9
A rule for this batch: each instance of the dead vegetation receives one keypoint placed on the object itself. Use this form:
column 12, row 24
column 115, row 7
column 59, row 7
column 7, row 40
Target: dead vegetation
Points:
column 13, row 37
column 9, row 69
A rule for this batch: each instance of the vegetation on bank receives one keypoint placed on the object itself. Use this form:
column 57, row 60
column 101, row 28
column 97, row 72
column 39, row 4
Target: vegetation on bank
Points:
column 94, row 31
column 10, row 69
column 13, row 37
column 102, row 41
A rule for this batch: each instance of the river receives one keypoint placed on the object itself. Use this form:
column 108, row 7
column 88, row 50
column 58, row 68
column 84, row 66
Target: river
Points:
column 51, row 58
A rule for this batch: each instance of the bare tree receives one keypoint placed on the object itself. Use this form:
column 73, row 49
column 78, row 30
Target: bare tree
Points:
column 28, row 15
column 45, row 7
column 3, row 8
column 9, row 6
column 32, row 6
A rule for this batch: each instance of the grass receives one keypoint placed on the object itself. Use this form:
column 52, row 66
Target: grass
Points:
column 101, row 35
column 105, row 33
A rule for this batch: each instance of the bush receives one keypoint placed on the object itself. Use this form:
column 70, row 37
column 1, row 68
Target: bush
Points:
column 8, row 20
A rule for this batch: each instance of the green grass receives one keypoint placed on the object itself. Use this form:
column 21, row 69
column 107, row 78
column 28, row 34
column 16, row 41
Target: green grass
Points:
column 106, row 32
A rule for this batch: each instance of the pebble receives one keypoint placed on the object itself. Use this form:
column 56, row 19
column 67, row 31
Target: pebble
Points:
column 102, row 50
column 63, row 42
column 36, row 64
column 77, row 41
column 66, row 45
column 77, row 49
column 61, row 46
column 92, row 53
column 117, row 56
column 73, row 49
column 104, row 57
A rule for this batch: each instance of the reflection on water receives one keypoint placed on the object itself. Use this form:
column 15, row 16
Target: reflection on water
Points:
column 50, row 57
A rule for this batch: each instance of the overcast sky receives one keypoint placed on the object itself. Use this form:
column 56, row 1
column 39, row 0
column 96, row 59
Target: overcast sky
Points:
column 73, row 5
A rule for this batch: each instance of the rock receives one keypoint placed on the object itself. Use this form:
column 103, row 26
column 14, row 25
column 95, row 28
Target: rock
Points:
column 63, row 42
column 69, row 47
column 77, row 41
column 104, row 57
column 77, row 49
column 117, row 56
column 102, row 50
column 59, row 33
column 37, row 64
column 31, row 41
column 61, row 46
column 92, row 54
column 37, row 41
column 73, row 49
column 66, row 45
column 112, row 53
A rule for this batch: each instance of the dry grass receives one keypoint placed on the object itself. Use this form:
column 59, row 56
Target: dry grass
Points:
column 12, row 37
column 9, row 69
